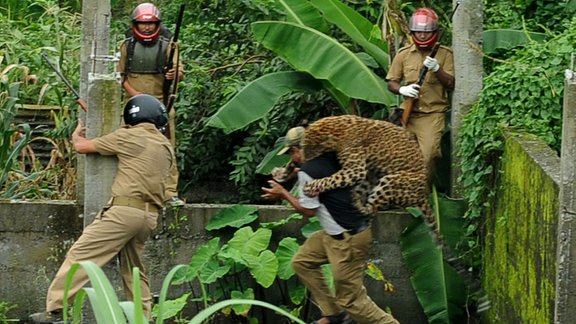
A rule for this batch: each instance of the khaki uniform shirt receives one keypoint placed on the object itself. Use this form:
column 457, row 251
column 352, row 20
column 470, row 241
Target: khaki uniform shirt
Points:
column 405, row 69
column 144, row 160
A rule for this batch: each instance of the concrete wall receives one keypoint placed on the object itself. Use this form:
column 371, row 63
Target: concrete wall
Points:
column 35, row 236
column 520, row 234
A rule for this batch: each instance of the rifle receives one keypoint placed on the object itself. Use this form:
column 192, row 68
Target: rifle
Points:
column 170, row 95
column 410, row 102
column 79, row 100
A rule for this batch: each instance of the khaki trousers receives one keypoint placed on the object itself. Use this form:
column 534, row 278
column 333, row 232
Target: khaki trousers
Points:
column 347, row 259
column 428, row 129
column 118, row 230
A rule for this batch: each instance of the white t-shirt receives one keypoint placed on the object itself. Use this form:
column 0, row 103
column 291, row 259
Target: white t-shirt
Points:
column 328, row 223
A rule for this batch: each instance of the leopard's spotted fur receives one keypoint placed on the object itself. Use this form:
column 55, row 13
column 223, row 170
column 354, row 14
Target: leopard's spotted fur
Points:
column 381, row 161
column 383, row 164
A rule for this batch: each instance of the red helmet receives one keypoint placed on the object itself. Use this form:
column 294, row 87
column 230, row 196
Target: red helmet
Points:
column 146, row 12
column 424, row 20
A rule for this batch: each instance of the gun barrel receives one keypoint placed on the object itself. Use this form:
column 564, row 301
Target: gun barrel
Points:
column 76, row 94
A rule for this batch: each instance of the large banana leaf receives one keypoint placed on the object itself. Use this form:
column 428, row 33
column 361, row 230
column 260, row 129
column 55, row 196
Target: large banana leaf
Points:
column 360, row 29
column 259, row 97
column 303, row 13
column 494, row 39
column 440, row 290
column 309, row 50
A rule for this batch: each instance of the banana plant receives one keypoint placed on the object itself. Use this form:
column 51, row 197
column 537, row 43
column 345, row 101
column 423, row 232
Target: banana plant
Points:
column 439, row 288
column 320, row 61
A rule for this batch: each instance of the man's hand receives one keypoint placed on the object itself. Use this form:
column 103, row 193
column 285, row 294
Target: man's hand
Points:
column 172, row 73
column 275, row 192
column 80, row 130
column 431, row 63
column 412, row 90
column 80, row 142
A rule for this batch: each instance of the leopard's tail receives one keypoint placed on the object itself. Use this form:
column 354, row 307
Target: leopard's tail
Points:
column 452, row 260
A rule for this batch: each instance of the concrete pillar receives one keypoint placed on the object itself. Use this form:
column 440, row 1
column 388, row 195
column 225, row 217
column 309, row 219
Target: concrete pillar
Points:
column 467, row 26
column 102, row 118
column 566, row 250
column 95, row 39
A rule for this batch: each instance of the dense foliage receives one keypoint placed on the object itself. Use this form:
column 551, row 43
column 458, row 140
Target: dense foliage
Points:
column 522, row 92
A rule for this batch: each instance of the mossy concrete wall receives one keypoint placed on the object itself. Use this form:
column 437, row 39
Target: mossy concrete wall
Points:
column 520, row 234
column 34, row 237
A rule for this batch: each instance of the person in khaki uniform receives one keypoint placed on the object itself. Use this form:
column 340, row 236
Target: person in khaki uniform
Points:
column 121, row 228
column 343, row 242
column 143, row 58
column 427, row 118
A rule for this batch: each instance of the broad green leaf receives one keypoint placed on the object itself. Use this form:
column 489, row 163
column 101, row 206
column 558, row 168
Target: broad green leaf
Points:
column 508, row 38
column 259, row 97
column 303, row 13
column 164, row 291
column 439, row 289
column 272, row 159
column 174, row 306
column 205, row 254
column 206, row 313
column 287, row 248
column 233, row 216
column 263, row 267
column 322, row 56
column 312, row 226
column 249, row 242
column 296, row 291
column 213, row 271
column 360, row 29
column 282, row 222
column 242, row 309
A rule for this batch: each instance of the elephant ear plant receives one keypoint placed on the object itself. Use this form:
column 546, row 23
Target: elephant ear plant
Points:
column 245, row 263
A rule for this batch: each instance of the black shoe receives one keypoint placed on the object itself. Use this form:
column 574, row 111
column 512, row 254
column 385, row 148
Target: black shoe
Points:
column 47, row 317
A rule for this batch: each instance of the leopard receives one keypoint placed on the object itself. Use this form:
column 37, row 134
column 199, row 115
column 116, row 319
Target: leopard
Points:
column 384, row 166
column 381, row 162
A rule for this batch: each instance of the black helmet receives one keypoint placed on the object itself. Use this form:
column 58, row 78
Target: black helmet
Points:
column 144, row 108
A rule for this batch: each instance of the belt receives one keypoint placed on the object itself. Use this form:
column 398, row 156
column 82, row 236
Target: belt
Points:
column 134, row 203
column 360, row 228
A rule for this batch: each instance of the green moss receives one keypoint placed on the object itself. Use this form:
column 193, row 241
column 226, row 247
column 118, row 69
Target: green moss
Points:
column 520, row 254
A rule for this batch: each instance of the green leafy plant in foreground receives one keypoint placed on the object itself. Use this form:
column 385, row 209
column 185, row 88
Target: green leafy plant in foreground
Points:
column 107, row 308
column 235, row 268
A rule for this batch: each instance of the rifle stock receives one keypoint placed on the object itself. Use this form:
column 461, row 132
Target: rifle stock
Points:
column 169, row 95
column 411, row 101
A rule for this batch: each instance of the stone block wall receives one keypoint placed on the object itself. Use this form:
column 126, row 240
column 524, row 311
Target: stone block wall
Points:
column 521, row 232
